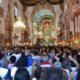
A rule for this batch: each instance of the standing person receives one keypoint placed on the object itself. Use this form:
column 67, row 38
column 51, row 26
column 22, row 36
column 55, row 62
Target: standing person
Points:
column 22, row 74
column 12, row 62
column 50, row 73
column 75, row 75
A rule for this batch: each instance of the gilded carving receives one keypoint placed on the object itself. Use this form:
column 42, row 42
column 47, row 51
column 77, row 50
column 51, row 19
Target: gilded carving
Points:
column 1, row 12
column 15, row 4
column 55, row 1
column 75, row 11
column 24, row 8
column 9, row 25
column 29, row 2
column 1, row 37
column 33, row 2
column 40, row 6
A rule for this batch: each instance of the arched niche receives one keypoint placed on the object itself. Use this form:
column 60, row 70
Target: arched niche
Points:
column 43, row 26
column 42, row 12
column 15, row 9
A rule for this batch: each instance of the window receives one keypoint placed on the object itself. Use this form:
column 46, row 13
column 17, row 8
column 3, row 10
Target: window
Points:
column 15, row 9
column 0, row 3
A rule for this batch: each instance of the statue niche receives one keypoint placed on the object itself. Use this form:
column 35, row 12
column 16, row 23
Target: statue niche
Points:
column 46, row 27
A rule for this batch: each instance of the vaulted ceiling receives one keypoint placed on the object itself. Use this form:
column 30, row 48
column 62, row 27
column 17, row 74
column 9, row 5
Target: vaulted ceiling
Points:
column 34, row 2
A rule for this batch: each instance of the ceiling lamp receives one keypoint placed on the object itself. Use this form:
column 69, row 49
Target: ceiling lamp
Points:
column 19, row 23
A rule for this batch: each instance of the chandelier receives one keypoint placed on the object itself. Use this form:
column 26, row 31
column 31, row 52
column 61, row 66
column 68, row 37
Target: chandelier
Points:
column 19, row 24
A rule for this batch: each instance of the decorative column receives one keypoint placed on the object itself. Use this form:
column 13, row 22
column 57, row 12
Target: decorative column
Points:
column 75, row 13
column 30, row 24
column 27, row 30
column 79, row 27
column 57, row 26
column 9, row 25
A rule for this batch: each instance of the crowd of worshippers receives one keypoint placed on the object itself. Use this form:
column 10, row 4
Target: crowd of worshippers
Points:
column 40, row 63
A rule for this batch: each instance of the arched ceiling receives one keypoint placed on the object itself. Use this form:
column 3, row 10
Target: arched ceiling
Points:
column 41, row 13
column 34, row 2
column 48, row 17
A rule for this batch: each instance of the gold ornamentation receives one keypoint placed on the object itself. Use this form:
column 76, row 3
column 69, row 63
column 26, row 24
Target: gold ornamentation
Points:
column 75, row 11
column 55, row 1
column 29, row 2
column 34, row 2
column 1, row 12
column 9, row 26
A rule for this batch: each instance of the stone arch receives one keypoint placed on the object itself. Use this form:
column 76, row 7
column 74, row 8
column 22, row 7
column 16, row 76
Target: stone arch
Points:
column 45, row 17
column 40, row 13
column 40, row 6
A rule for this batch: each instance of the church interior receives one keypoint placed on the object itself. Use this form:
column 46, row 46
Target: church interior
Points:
column 39, row 39
column 39, row 22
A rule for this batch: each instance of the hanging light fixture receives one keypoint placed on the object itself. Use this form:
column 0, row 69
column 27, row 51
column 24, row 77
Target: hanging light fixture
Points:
column 19, row 24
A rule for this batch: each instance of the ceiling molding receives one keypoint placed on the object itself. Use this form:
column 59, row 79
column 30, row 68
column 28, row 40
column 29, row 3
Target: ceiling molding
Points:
column 34, row 2
column 55, row 1
column 29, row 2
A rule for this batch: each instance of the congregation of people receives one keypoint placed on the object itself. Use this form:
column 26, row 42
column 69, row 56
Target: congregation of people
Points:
column 40, row 63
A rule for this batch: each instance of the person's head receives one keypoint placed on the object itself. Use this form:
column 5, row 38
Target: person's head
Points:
column 58, row 64
column 22, row 74
column 22, row 62
column 64, row 55
column 66, row 64
column 12, row 59
column 74, row 54
column 52, row 74
column 3, row 62
column 53, row 51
